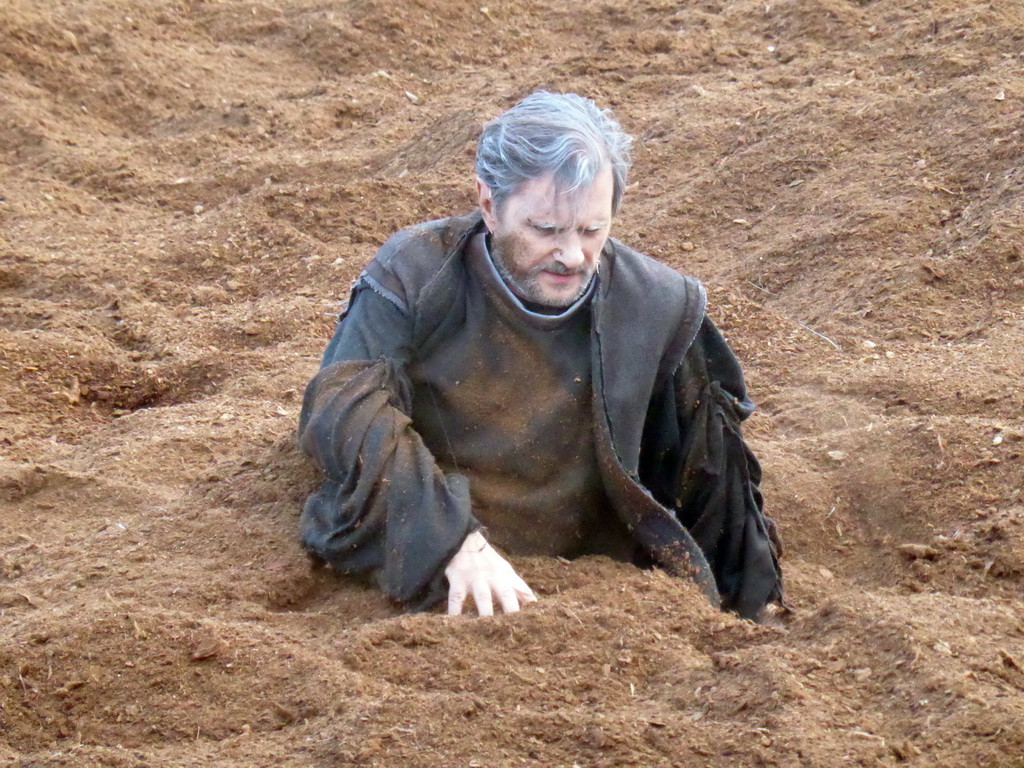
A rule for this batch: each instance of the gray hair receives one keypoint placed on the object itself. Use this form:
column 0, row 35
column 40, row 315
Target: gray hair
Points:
column 560, row 133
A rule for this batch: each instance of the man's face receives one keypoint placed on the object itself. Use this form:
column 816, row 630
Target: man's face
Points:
column 545, row 244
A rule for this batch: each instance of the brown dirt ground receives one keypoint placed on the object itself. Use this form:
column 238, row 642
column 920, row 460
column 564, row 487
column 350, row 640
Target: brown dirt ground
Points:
column 188, row 189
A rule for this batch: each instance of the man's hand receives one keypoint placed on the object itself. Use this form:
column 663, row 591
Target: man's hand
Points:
column 478, row 570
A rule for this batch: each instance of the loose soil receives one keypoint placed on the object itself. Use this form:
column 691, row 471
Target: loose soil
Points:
column 187, row 191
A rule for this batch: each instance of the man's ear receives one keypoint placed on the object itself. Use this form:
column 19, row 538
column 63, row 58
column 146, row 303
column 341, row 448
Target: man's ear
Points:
column 486, row 202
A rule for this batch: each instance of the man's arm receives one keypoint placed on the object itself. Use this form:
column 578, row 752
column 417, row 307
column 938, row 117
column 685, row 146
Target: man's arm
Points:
column 718, row 489
column 386, row 510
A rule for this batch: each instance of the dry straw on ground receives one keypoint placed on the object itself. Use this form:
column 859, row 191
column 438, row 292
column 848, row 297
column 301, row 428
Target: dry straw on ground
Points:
column 188, row 189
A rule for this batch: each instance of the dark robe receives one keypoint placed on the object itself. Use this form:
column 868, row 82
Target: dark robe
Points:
column 667, row 398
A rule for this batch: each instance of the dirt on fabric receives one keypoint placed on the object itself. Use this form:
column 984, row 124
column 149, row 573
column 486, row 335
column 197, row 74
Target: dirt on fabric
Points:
column 187, row 191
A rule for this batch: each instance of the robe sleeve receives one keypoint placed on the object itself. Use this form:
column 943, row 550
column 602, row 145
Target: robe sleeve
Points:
column 718, row 496
column 696, row 462
column 385, row 511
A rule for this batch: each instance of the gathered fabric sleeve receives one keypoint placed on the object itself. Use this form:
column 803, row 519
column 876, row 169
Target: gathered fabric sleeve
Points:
column 385, row 511
column 718, row 496
column 697, row 463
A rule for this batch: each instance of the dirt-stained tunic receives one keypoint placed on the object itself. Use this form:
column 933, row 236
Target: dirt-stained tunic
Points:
column 443, row 404
column 506, row 402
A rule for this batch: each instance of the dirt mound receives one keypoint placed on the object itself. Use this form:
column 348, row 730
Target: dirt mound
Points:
column 188, row 190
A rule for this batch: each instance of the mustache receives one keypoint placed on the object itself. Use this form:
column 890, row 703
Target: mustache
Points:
column 560, row 269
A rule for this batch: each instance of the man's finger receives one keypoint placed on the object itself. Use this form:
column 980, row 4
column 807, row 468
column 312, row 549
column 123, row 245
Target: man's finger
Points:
column 482, row 598
column 523, row 590
column 456, row 599
column 507, row 598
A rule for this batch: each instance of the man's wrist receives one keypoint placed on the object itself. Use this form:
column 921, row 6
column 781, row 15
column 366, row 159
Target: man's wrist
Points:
column 474, row 542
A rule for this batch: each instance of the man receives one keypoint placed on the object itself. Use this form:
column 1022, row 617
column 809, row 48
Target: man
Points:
column 514, row 377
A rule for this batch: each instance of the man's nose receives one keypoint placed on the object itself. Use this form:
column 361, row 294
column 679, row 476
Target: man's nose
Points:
column 570, row 252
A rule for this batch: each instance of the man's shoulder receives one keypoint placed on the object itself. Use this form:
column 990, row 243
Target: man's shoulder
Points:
column 635, row 272
column 413, row 256
column 648, row 309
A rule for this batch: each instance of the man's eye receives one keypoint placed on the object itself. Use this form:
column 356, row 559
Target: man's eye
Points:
column 545, row 230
